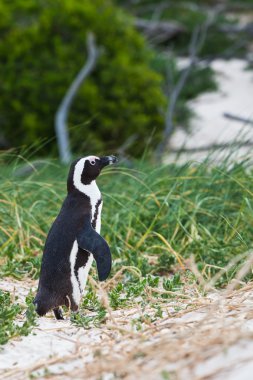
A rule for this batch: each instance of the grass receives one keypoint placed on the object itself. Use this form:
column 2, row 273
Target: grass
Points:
column 156, row 219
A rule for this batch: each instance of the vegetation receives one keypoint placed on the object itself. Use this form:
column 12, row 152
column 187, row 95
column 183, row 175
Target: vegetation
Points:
column 195, row 14
column 126, row 94
column 43, row 48
column 169, row 226
column 154, row 219
column 10, row 310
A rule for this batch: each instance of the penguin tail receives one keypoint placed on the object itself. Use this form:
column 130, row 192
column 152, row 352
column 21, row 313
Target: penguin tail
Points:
column 41, row 307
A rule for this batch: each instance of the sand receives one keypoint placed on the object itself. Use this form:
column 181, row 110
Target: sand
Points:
column 202, row 337
column 209, row 126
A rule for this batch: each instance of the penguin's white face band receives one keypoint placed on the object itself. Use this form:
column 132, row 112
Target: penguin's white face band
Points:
column 85, row 171
column 92, row 159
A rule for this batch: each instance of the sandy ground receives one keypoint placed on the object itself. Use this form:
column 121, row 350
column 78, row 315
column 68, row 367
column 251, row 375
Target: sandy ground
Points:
column 198, row 338
column 209, row 126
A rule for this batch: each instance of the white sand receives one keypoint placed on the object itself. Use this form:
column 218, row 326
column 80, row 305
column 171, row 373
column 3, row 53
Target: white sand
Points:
column 235, row 96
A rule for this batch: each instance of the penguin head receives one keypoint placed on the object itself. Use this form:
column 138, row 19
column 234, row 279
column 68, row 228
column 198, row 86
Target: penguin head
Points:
column 86, row 169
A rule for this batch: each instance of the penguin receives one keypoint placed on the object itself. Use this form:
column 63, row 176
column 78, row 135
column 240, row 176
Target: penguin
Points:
column 74, row 241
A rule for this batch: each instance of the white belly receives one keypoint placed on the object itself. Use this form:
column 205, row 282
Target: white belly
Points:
column 84, row 271
column 76, row 294
column 78, row 284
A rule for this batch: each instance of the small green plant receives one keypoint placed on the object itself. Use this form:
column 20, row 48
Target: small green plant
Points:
column 10, row 310
column 165, row 375
column 173, row 283
column 91, row 313
column 88, row 321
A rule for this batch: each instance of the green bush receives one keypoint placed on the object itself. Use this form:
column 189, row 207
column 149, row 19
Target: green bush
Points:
column 43, row 47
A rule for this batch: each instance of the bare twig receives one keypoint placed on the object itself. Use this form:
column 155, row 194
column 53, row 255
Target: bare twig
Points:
column 158, row 31
column 245, row 269
column 233, row 29
column 237, row 118
column 63, row 110
column 169, row 125
column 197, row 40
column 212, row 147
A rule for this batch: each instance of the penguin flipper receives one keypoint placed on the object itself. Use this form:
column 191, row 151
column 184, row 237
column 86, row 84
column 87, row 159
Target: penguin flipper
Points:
column 89, row 240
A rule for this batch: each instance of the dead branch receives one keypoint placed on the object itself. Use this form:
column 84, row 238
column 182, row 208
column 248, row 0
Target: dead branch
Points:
column 237, row 118
column 169, row 124
column 237, row 144
column 4, row 144
column 61, row 116
column 29, row 168
column 234, row 29
column 197, row 40
column 158, row 31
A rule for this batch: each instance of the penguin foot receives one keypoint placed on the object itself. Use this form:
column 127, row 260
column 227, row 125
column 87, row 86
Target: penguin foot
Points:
column 58, row 313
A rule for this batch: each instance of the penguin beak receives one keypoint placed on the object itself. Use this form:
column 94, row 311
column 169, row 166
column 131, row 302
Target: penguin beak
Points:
column 107, row 160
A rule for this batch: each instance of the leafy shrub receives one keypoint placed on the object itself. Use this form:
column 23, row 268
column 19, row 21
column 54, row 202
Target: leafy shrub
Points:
column 43, row 48
column 9, row 311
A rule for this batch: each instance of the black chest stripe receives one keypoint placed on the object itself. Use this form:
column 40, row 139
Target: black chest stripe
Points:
column 81, row 261
column 94, row 220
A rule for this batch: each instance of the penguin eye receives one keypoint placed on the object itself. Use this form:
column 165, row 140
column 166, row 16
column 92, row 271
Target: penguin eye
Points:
column 92, row 162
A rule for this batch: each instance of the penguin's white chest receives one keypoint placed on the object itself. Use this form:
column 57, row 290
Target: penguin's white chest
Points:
column 79, row 279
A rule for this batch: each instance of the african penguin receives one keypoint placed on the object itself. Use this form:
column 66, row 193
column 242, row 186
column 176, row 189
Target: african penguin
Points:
column 74, row 240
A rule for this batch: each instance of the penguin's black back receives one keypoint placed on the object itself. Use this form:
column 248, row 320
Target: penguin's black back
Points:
column 55, row 282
